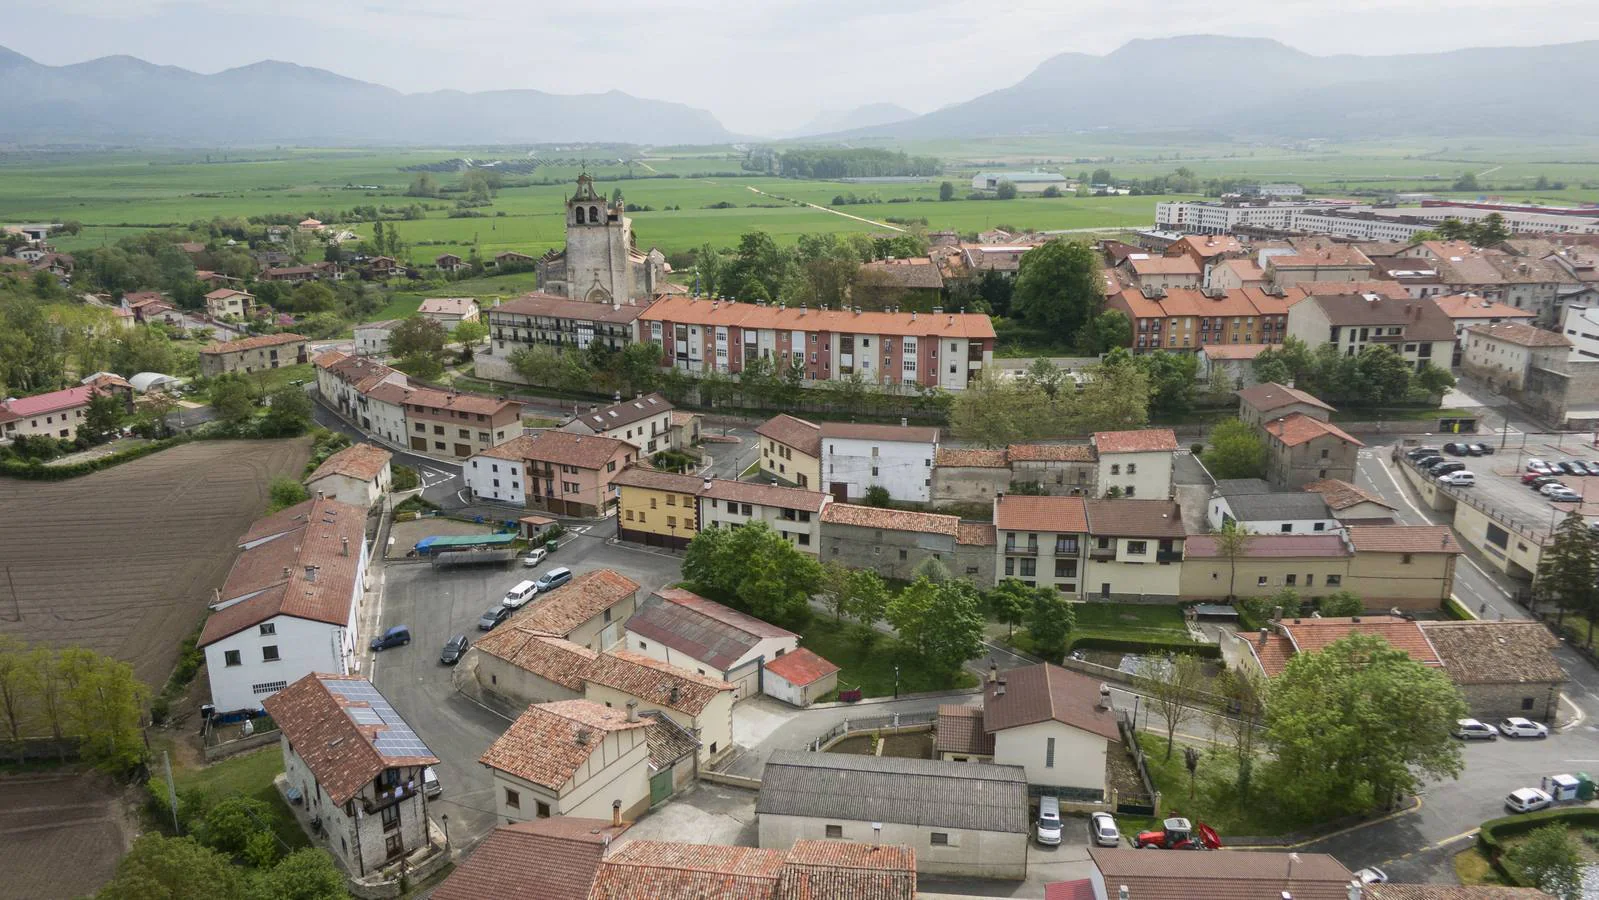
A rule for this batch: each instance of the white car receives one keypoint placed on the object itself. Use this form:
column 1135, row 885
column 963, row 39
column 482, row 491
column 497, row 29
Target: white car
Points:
column 1102, row 830
column 1473, row 730
column 1522, row 800
column 1539, row 466
column 430, row 783
column 1564, row 495
column 1371, row 875
column 534, row 557
column 1458, row 479
column 1553, row 487
column 1517, row 727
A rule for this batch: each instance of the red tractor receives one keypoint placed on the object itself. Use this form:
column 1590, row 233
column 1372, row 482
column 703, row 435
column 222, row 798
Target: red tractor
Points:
column 1178, row 834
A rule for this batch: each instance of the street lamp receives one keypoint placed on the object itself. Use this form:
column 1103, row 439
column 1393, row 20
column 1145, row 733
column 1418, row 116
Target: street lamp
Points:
column 446, row 820
column 896, row 682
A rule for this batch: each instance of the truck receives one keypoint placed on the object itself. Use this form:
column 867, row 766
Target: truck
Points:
column 450, row 558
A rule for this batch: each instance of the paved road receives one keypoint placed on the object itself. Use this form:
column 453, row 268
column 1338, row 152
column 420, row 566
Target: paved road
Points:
column 441, row 481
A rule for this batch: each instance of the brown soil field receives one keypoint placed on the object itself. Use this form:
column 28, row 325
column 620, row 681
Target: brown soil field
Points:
column 63, row 833
column 124, row 561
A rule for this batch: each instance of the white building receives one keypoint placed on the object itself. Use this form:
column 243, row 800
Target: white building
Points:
column 683, row 629
column 1138, row 463
column 645, row 422
column 1259, row 509
column 1026, row 182
column 290, row 604
column 897, row 458
column 372, row 338
column 366, row 392
column 494, row 477
column 358, row 768
column 359, row 475
column 1502, row 354
column 793, row 513
column 571, row 758
column 449, row 311
column 1581, row 328
column 1416, row 329
column 1135, row 550
column 799, row 678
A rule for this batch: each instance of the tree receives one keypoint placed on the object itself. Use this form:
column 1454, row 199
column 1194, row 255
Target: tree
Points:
column 312, row 297
column 933, row 570
column 423, row 185
column 1100, row 176
column 869, row 597
column 14, row 682
column 288, row 412
column 285, row 492
column 1434, row 381
column 1173, row 685
column 1358, row 724
column 877, row 495
column 233, row 398
column 1049, row 379
column 1005, row 190
column 539, row 364
column 306, row 874
column 1050, row 620
column 1491, row 230
column 1116, row 398
column 417, row 335
column 1382, row 376
column 1243, row 690
column 1236, row 451
column 995, row 412
column 143, row 350
column 425, row 366
column 469, row 333
column 1010, row 602
column 103, row 419
column 946, row 191
column 163, row 868
column 1550, row 861
column 230, row 823
column 1339, row 604
column 1059, row 287
column 1171, row 380
column 105, row 704
column 940, row 623
column 1110, row 328
column 1466, row 182
column 1232, row 542
column 753, row 568
column 639, row 366
column 1568, row 571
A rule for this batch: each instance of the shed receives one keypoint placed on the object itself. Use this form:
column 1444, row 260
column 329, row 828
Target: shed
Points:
column 800, row 678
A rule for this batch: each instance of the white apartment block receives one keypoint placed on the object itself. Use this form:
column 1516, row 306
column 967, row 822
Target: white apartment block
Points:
column 1581, row 328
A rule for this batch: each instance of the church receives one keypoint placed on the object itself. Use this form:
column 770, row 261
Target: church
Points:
column 600, row 263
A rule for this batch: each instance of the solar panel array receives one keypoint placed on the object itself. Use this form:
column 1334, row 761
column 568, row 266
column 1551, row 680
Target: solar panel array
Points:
column 396, row 738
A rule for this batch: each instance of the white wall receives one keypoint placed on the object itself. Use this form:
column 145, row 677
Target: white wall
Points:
column 903, row 467
column 1219, row 507
column 1145, row 476
column 804, row 535
column 353, row 491
column 979, row 854
column 371, row 341
column 303, row 647
column 1581, row 327
column 481, row 472
column 1079, row 759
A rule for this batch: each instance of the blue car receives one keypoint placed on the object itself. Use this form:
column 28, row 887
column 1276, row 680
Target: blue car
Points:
column 398, row 636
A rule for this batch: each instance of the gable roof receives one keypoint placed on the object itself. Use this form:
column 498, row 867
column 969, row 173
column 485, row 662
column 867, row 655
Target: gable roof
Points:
column 619, row 415
column 549, row 742
column 545, row 859
column 563, row 610
column 1271, row 505
column 447, row 306
column 1270, row 395
column 972, row 459
column 586, row 451
column 251, row 343
column 1051, row 453
column 1163, row 265
column 792, row 432
column 552, row 658
column 1496, row 652
column 1222, row 876
column 1403, row 539
column 1134, row 518
column 914, row 272
column 654, row 682
column 867, row 431
column 1298, row 428
column 712, row 313
column 920, row 792
column 847, row 870
column 1044, row 692
column 345, row 732
column 976, row 534
column 1295, row 636
column 41, row 404
column 1270, row 546
column 657, row 870
column 1148, row 440
column 1452, row 892
column 890, row 519
column 764, row 494
column 1342, row 495
column 801, row 667
column 703, row 629
column 1471, row 306
column 1015, row 512
column 362, row 462
column 1520, row 334
column 960, row 730
column 642, row 476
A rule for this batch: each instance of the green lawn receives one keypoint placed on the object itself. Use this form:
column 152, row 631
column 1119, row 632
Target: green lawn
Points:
column 1215, row 800
column 1130, row 621
column 249, row 774
column 871, row 667
column 269, row 380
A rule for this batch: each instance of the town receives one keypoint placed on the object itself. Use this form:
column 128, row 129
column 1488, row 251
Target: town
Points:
column 883, row 557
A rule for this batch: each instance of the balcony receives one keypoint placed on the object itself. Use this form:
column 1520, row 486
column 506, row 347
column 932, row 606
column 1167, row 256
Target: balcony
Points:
column 1021, row 549
column 1101, row 552
column 1168, row 556
column 1066, row 548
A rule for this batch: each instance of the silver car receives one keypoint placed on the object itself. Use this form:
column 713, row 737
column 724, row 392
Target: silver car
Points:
column 1102, row 831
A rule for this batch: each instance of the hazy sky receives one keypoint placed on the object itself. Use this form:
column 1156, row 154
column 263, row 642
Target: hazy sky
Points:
column 761, row 66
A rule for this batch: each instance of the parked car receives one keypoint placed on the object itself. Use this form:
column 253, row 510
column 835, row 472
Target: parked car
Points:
column 520, row 594
column 534, row 557
column 1566, row 468
column 1524, row 800
column 554, row 578
column 1419, row 452
column 1577, row 467
column 454, row 649
column 1539, row 466
column 1457, row 479
column 398, row 636
column 1371, row 875
column 1049, row 825
column 1473, row 730
column 1553, row 487
column 430, row 783
column 1517, row 727
column 1424, row 462
column 495, row 615
column 1530, row 477
column 1102, row 830
column 1456, row 449
column 1444, row 468
column 1565, row 495
column 1481, row 449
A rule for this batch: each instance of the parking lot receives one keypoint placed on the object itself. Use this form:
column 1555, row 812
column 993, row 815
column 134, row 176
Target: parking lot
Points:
column 436, row 604
column 1499, row 486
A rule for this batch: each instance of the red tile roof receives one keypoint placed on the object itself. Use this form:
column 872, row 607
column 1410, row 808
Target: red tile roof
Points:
column 667, row 870
column 549, row 742
column 552, row 658
column 1403, row 539
column 1164, row 265
column 555, row 307
column 447, row 306
column 1223, row 875
column 55, row 401
column 1082, row 889
column 545, row 859
column 655, row 683
column 890, row 519
column 975, row 534
column 1471, row 306
column 705, row 312
column 586, row 451
column 642, row 476
column 565, row 609
column 866, row 431
column 1270, row 546
column 340, row 751
column 1043, row 692
column 960, row 730
column 455, row 401
column 1342, row 495
column 1270, row 395
column 1134, row 518
column 791, row 432
column 801, row 667
column 1148, row 440
column 1496, row 652
column 1014, row 512
column 1299, row 428
column 1050, row 453
column 1236, row 351
column 846, row 870
column 362, row 462
column 252, row 343
column 1520, row 334
column 971, row 459
column 772, row 495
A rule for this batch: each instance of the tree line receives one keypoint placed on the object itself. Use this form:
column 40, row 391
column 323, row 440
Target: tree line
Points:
column 837, row 162
column 73, row 693
column 1378, row 376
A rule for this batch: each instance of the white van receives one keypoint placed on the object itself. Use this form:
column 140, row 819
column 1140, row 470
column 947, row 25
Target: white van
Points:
column 521, row 594
column 1049, row 821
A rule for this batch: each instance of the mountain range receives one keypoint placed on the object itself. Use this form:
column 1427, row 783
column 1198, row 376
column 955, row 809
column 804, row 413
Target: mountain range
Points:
column 120, row 99
column 869, row 116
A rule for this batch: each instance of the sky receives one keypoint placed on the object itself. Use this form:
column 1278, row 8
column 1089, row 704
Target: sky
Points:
column 763, row 67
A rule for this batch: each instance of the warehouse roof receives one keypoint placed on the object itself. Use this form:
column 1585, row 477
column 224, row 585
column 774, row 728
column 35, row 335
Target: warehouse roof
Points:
column 918, row 792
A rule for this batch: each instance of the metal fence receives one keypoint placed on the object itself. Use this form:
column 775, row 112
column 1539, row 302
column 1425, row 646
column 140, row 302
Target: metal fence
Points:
column 1137, row 806
column 871, row 723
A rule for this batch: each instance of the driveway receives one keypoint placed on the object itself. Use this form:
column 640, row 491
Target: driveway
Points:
column 704, row 813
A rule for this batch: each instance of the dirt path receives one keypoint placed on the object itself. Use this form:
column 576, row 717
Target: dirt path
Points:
column 829, row 209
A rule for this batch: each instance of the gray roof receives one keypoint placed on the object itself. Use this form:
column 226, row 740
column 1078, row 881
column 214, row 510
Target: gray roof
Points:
column 1238, row 487
column 924, row 792
column 1283, row 505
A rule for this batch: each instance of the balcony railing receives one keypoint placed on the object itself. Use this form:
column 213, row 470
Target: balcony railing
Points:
column 1101, row 552
column 1168, row 556
column 1021, row 549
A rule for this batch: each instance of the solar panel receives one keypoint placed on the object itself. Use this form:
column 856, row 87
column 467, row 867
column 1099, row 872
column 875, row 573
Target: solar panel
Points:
column 396, row 738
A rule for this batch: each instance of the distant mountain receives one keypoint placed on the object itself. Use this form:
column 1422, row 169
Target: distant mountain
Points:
column 121, row 99
column 869, row 116
column 1252, row 87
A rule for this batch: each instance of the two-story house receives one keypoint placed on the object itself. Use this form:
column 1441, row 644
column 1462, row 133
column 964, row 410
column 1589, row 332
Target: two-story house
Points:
column 1502, row 354
column 791, row 451
column 656, row 508
column 359, row 475
column 1041, row 540
column 700, row 704
column 1136, row 463
column 252, row 354
column 645, row 422
column 562, row 473
column 449, row 311
column 459, row 424
column 1414, row 328
column 58, row 414
column 590, row 610
column 858, row 457
column 357, row 766
column 365, row 391
column 1269, row 400
column 1135, row 549
column 686, row 630
column 1258, row 508
column 225, row 302
column 1301, row 449
column 571, row 758
column 793, row 513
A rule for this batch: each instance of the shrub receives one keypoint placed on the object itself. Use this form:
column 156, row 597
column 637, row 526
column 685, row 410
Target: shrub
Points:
column 1133, row 645
column 405, row 478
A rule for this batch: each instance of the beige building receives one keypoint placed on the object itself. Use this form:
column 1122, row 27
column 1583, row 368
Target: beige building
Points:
column 1502, row 354
column 1352, row 505
column 791, row 451
column 683, row 629
column 1312, row 564
column 252, row 354
column 359, row 475
column 1414, row 328
column 1315, row 259
column 969, row 476
column 1055, row 468
column 645, row 422
column 57, row 414
column 1041, row 541
column 700, row 704
column 1136, row 463
column 457, row 424
column 449, row 311
column 1301, row 449
column 221, row 304
column 590, row 610
column 571, row 758
column 793, row 513
column 1167, row 272
column 1135, row 550
column 525, row 666
column 1264, row 402
column 1411, row 567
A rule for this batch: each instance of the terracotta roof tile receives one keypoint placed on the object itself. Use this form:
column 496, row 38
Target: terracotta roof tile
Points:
column 1134, row 518
column 1520, row 334
column 1223, row 875
column 1270, row 395
column 549, row 742
column 1042, row 692
column 552, row 658
column 1471, row 306
column 1310, row 635
column 973, row 459
column 704, row 312
column 1051, row 453
column 1270, row 546
column 916, row 272
column 345, row 755
column 846, row 870
column 666, row 870
column 1393, row 891
column 655, row 682
column 1163, row 265
column 555, row 307
column 1299, row 428
column 1014, row 512
column 642, row 476
column 960, row 730
column 866, row 431
column 1496, row 652
column 252, row 343
column 890, row 519
column 791, row 432
column 457, row 401
column 363, row 462
column 620, row 415
column 976, row 534
column 563, row 610
column 1148, row 440
column 772, row 495
column 545, row 859
column 586, row 451
column 447, row 306
column 1403, row 539
column 1342, row 495
column 1206, row 246
column 801, row 667
column 1082, row 889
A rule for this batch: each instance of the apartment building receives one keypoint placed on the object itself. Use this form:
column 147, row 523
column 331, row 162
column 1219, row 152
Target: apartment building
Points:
column 1466, row 310
column 1536, row 285
column 1042, row 541
column 1135, row 550
column 1228, row 216
column 791, row 451
column 858, row 457
column 1168, row 272
column 1185, row 320
column 1581, row 328
column 1502, row 354
column 1314, row 259
column 58, row 414
column 888, row 349
column 252, row 354
column 565, row 474
column 656, row 508
column 457, row 424
column 547, row 320
column 1414, row 328
column 794, row 513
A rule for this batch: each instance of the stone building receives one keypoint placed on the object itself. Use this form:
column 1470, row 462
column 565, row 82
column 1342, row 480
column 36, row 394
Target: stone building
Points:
column 1502, row 668
column 601, row 263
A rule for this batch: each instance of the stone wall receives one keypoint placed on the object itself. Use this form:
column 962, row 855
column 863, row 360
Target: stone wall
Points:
column 1497, row 701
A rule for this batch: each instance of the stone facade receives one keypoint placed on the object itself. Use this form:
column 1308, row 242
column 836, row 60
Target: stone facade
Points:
column 1536, row 701
column 889, row 552
column 366, row 841
column 600, row 263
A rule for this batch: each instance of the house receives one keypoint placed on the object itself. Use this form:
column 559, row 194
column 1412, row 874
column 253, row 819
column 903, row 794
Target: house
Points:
column 1269, row 401
column 1231, row 366
column 1135, row 549
column 290, row 604
column 685, row 428
column 1411, row 567
column 310, row 225
column 1041, row 540
column 224, row 302
column 791, row 451
column 542, row 859
column 1231, row 274
column 799, row 678
column 562, row 473
column 1268, row 652
column 448, row 262
column 372, row 338
column 1521, row 282
column 571, row 758
column 58, row 414
column 1466, row 310
column 700, row 704
column 299, row 274
column 1351, row 505
column 793, row 513
column 525, row 666
column 1314, row 565
column 1135, row 463
column 858, row 457
column 1301, row 449
column 1502, row 354
column 1055, row 468
column 890, row 542
column 657, row 870
column 1221, row 876
column 913, row 283
column 1208, row 249
column 904, row 350
column 1026, row 182
column 1260, row 509
column 1315, row 259
column 458, row 424
column 1502, row 668
column 382, row 267
column 589, row 610
column 969, row 476
column 656, row 508
column 1162, row 272
column 366, row 392
column 512, row 258
column 683, row 629
column 961, row 819
column 546, row 320
column 358, row 767
column 1057, row 725
column 1416, row 329
column 252, row 354
column 449, row 311
column 359, row 475
column 645, row 422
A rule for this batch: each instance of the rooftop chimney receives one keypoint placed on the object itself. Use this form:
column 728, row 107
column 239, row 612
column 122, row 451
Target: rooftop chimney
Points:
column 708, row 480
column 582, row 737
column 616, row 814
column 1121, row 893
column 1276, row 613
column 993, row 671
column 1264, row 634
column 675, row 693
column 632, row 710
column 346, row 546
column 286, row 571
column 321, row 495
column 310, row 573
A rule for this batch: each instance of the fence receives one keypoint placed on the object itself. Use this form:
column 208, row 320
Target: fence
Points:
column 872, row 723
column 1106, row 673
column 1151, row 799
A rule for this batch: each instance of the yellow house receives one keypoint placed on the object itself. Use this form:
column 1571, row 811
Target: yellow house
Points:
column 1409, row 567
column 655, row 508
column 791, row 451
column 1315, row 565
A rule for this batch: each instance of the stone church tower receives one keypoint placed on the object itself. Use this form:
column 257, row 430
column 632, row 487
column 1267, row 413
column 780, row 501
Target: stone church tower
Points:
column 600, row 263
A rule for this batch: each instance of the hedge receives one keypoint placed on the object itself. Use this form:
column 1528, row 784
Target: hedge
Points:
column 1137, row 645
column 34, row 471
column 1491, row 835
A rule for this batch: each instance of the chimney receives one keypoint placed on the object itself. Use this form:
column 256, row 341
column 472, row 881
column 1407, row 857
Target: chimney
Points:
column 616, row 814
column 632, row 710
column 1276, row 613
column 310, row 574
column 707, row 484
column 1264, row 634
column 1354, row 620
column 321, row 495
column 676, row 693
column 1121, row 893
column 1104, row 696
column 286, row 571
column 582, row 737
column 993, row 672
column 999, row 688
column 1354, row 890
column 346, row 546
column 216, row 595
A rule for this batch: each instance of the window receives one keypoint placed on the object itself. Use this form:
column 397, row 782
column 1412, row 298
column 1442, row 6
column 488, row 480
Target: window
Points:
column 1335, row 580
column 541, row 809
column 902, row 554
column 1132, row 468
column 671, row 521
column 1526, row 703
column 1261, row 581
column 1404, row 559
column 269, row 653
column 231, row 657
column 1049, row 753
column 269, row 628
column 1029, row 567
column 1116, row 469
column 630, row 515
column 1310, row 580
column 268, row 687
column 1137, row 548
column 1287, row 528
column 938, row 839
column 1291, row 580
column 513, row 800
column 835, row 831
column 607, row 615
column 1319, row 526
column 1010, row 566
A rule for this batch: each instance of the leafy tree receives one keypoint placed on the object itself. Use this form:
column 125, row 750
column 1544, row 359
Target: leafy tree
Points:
column 1110, row 328
column 1491, row 230
column 946, row 191
column 1173, row 685
column 1059, row 287
column 1466, row 182
column 33, row 351
column 1550, row 861
column 306, row 874
column 163, row 868
column 1244, row 691
column 1383, row 376
column 469, row 333
column 14, row 682
column 1005, row 190
column 1010, row 602
column 1232, row 542
column 933, row 570
column 1171, row 380
column 1434, row 381
column 417, row 335
column 877, row 496
column 758, row 267
column 994, row 412
column 1568, row 571
column 1340, row 603
column 1049, row 379
column 539, row 364
column 230, row 823
column 1236, row 451
column 423, row 185
column 639, row 366
column 940, row 623
column 755, row 569
column 105, row 704
column 1116, row 398
column 869, row 597
column 284, row 493
column 233, row 398
column 1100, row 176
column 103, row 419
column 288, row 412
column 1358, row 724
column 143, row 350
column 425, row 366
column 1050, row 620
column 311, row 297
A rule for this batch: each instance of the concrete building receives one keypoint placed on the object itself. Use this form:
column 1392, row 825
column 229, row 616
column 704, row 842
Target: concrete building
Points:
column 372, row 338
column 600, row 263
column 1260, row 509
column 565, row 474
column 1041, row 541
column 1314, row 565
column 1301, row 449
column 359, row 475
column 793, row 513
column 1026, row 182
column 799, row 678
column 1163, row 272
column 1230, row 366
column 449, row 311
column 220, row 304
column 961, row 819
column 1466, row 310
column 252, row 354
column 1520, row 282
column 58, row 414
column 358, row 766
column 571, row 758
column 1314, row 259
column 683, row 629
column 700, row 704
column 1502, row 355
column 1416, row 329
column 365, row 392
column 1581, row 328
column 290, row 604
column 1411, row 567
column 1135, row 463
column 547, row 320
column 791, row 451
column 524, row 666
column 590, row 610
column 1135, row 550
column 1502, row 668
column 1269, row 401
column 858, row 457
column 655, row 508
column 645, row 422
column 1352, row 505
column 458, row 424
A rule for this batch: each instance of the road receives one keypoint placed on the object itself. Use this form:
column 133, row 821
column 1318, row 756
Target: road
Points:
column 441, row 481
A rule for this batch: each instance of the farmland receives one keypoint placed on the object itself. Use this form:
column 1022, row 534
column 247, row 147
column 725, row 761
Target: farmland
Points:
column 123, row 561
